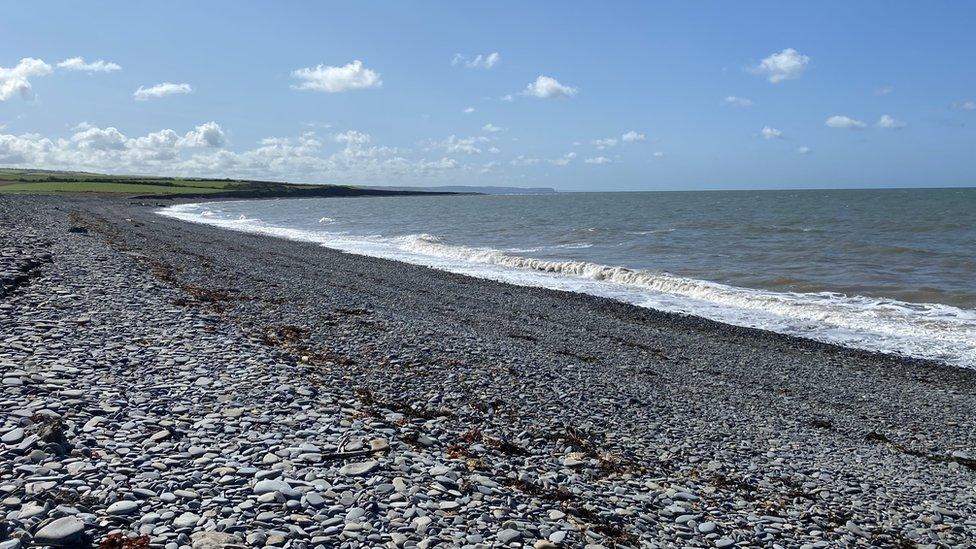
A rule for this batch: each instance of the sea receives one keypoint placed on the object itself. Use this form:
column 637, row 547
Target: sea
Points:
column 882, row 270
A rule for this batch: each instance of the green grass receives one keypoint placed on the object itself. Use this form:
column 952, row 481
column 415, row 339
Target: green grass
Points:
column 47, row 187
column 54, row 182
column 30, row 181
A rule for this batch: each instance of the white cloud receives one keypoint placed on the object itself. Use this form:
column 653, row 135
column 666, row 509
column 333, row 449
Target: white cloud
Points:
column 771, row 133
column 658, row 154
column 100, row 139
column 563, row 160
column 803, row 150
column 469, row 110
column 25, row 150
column 888, row 122
column 494, row 150
column 788, row 64
column 522, row 160
column 488, row 167
column 508, row 97
column 968, row 105
column 601, row 144
column 329, row 79
column 598, row 160
column 491, row 60
column 844, row 122
column 352, row 137
column 204, row 135
column 16, row 80
column 885, row 90
column 486, row 61
column 161, row 90
column 735, row 101
column 455, row 144
column 546, row 87
column 632, row 136
column 491, row 128
column 79, row 64
column 199, row 153
column 92, row 138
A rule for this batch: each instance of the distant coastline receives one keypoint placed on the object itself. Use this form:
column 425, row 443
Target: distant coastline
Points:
column 37, row 181
column 469, row 189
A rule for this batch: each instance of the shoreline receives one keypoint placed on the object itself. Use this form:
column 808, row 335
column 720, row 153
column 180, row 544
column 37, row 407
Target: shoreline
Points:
column 698, row 319
column 511, row 415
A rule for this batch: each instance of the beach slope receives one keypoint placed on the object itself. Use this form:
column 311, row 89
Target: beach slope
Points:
column 165, row 378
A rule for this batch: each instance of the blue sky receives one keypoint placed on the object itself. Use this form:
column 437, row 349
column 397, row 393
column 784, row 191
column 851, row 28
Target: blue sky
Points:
column 711, row 95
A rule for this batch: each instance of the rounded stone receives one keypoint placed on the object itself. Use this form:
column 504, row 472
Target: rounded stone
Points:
column 63, row 532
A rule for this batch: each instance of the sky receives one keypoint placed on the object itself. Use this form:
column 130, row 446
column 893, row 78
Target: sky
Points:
column 574, row 95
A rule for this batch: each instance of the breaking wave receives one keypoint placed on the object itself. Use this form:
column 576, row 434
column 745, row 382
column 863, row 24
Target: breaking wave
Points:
column 922, row 330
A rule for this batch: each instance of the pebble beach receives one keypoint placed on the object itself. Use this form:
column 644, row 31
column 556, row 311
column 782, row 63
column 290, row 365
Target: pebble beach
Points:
column 173, row 385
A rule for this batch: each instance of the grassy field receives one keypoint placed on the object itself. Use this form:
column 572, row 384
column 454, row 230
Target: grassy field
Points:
column 58, row 182
column 101, row 187
column 17, row 181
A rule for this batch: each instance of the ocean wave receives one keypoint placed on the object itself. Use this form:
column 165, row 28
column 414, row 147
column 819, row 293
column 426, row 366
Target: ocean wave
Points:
column 924, row 330
column 791, row 229
column 651, row 231
column 573, row 246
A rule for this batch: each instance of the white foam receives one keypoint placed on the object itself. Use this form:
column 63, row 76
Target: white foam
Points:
column 924, row 330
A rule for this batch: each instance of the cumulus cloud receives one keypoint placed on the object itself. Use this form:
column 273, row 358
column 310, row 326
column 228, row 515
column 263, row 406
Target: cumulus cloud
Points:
column 546, row 87
column 100, row 139
column 844, row 123
column 199, row 152
column 889, row 122
column 491, row 128
column 735, row 101
column 79, row 64
column 108, row 149
column 469, row 110
column 771, row 133
column 485, row 61
column 604, row 143
column 352, row 137
column 15, row 81
column 658, row 154
column 967, row 105
column 788, row 64
column 803, row 150
column 161, row 90
column 24, row 150
column 204, row 135
column 632, row 136
column 598, row 160
column 329, row 79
